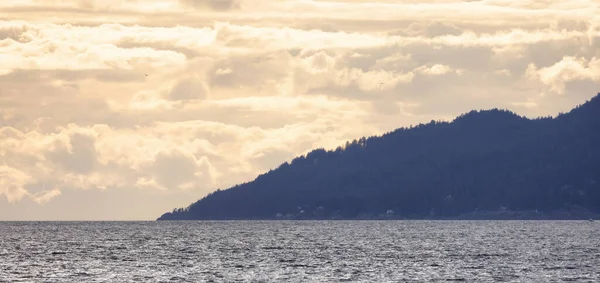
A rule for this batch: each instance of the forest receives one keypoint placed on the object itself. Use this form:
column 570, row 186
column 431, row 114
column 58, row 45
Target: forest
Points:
column 486, row 164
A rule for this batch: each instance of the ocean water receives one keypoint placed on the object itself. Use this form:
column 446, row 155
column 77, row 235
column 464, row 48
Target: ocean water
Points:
column 300, row 251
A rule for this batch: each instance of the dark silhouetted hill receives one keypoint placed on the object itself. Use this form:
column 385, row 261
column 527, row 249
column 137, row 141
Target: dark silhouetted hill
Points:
column 488, row 164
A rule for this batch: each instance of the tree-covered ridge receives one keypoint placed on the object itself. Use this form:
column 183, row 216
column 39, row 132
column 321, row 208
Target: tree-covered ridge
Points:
column 491, row 161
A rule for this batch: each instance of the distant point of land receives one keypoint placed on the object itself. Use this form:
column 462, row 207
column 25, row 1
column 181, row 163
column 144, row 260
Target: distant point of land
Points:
column 490, row 164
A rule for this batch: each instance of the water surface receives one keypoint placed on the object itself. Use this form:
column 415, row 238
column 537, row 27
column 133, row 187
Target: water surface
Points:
column 300, row 251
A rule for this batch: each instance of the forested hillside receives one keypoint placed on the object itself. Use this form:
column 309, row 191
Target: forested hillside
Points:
column 484, row 164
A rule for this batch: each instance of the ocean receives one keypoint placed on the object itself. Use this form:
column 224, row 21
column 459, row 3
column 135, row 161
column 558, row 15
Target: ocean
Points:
column 300, row 251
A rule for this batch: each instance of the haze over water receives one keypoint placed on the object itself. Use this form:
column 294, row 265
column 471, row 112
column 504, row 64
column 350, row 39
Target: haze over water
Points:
column 300, row 251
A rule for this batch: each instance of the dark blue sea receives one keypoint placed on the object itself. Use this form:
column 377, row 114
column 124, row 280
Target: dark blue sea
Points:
column 300, row 251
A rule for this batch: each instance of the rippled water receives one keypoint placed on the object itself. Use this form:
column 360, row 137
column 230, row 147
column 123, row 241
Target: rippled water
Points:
column 300, row 251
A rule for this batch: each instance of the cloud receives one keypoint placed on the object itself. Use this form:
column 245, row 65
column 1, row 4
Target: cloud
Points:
column 432, row 29
column 217, row 5
column 12, row 182
column 174, row 170
column 189, row 88
column 46, row 196
column 78, row 156
column 566, row 70
column 248, row 71
column 435, row 70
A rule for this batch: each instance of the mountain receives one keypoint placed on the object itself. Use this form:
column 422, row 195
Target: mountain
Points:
column 489, row 164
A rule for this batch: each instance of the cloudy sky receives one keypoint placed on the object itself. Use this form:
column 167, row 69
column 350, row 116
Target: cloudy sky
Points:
column 125, row 109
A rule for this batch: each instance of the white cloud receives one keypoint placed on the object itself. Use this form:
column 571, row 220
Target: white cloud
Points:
column 12, row 182
column 568, row 69
column 45, row 196
column 435, row 70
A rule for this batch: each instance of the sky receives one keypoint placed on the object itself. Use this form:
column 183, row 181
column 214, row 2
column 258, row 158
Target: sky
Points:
column 126, row 109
